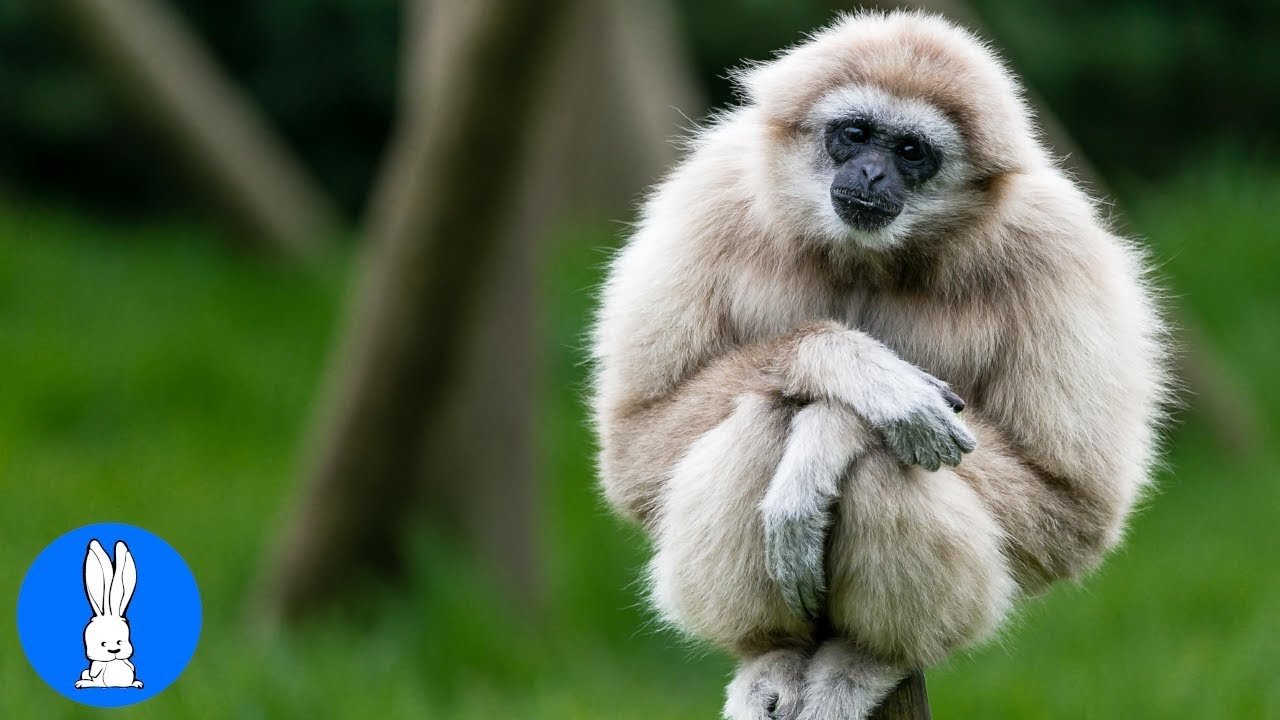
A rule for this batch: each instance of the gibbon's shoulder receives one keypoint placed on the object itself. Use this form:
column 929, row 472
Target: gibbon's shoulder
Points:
column 1046, row 233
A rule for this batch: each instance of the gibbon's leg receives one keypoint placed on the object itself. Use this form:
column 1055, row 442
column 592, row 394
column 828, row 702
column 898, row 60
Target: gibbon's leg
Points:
column 915, row 562
column 708, row 573
column 843, row 682
column 768, row 687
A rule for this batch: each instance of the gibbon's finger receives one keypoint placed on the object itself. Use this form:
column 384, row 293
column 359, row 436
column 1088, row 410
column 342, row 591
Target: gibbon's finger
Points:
column 955, row 440
column 910, row 440
column 896, row 443
column 953, row 430
column 951, row 454
column 932, row 461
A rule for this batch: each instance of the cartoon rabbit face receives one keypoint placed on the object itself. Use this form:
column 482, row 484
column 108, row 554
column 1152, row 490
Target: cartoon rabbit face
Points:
column 107, row 638
column 109, row 589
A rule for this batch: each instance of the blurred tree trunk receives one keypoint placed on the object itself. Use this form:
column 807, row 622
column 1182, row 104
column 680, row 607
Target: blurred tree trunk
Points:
column 434, row 411
column 431, row 251
column 597, row 136
column 622, row 88
column 172, row 83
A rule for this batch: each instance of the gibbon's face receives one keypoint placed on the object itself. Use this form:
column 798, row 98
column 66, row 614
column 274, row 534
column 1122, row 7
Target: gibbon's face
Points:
column 876, row 166
column 884, row 163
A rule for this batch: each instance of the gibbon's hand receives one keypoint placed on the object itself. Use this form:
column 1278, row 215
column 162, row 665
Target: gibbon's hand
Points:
column 823, row 440
column 794, row 544
column 914, row 411
column 928, row 434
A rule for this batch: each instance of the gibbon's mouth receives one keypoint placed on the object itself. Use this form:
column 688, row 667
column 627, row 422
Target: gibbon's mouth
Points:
column 863, row 213
column 113, row 652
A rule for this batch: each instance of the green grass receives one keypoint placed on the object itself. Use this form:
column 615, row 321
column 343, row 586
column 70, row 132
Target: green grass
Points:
column 150, row 376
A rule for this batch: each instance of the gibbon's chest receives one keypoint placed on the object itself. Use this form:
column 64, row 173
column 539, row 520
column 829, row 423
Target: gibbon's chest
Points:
column 955, row 341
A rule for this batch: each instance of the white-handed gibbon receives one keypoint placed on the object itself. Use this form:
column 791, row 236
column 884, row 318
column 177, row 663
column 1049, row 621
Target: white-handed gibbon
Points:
column 783, row 344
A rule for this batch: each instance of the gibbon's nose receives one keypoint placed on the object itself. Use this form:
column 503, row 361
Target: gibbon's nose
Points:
column 870, row 176
column 113, row 652
column 872, row 173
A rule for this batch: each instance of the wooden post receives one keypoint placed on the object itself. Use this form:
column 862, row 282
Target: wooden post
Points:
column 908, row 701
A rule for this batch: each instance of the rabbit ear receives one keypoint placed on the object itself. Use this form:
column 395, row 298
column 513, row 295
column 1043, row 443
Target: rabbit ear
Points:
column 124, row 580
column 97, row 573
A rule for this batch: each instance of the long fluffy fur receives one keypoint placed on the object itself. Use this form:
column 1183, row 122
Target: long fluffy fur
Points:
column 740, row 297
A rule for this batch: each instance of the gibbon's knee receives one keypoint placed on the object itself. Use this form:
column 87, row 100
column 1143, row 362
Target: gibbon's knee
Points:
column 915, row 563
column 708, row 574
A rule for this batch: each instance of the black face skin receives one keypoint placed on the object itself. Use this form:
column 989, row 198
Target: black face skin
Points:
column 875, row 171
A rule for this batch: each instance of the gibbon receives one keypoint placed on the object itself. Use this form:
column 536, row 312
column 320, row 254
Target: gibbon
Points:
column 783, row 343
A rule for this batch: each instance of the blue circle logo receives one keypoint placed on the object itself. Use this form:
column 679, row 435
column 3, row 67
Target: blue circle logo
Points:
column 109, row 615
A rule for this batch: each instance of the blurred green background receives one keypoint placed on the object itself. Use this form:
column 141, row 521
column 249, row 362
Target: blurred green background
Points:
column 152, row 373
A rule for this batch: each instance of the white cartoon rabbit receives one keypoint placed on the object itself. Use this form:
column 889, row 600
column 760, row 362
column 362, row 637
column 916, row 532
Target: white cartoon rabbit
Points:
column 106, row 637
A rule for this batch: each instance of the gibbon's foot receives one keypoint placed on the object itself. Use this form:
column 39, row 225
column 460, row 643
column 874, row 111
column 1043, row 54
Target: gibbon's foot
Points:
column 769, row 687
column 84, row 683
column 137, row 684
column 844, row 683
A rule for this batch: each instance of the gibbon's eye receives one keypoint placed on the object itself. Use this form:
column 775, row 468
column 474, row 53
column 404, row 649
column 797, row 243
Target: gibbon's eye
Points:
column 911, row 150
column 119, row 642
column 104, row 644
column 857, row 133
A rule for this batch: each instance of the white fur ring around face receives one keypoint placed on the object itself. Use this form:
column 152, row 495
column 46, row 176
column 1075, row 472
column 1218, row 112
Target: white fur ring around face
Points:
column 109, row 587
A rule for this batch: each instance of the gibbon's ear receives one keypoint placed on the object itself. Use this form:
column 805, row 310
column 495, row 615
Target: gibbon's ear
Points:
column 97, row 575
column 124, row 580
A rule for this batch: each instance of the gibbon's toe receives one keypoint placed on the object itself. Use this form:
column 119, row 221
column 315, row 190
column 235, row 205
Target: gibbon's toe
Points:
column 770, row 687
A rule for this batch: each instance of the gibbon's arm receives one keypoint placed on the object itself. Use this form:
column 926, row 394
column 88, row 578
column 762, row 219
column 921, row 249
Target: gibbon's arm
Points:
column 643, row 437
column 1066, row 425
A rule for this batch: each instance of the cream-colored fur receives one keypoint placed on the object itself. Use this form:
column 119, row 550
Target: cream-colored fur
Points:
column 769, row 382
